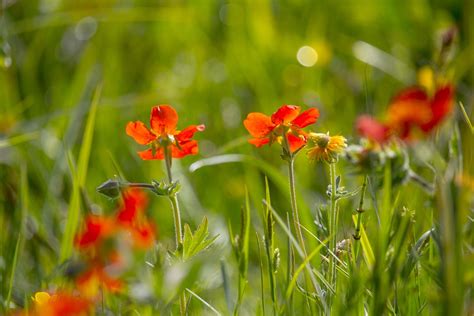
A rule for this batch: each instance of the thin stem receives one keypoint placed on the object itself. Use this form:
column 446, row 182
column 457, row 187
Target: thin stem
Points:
column 332, row 224
column 359, row 210
column 177, row 222
column 294, row 205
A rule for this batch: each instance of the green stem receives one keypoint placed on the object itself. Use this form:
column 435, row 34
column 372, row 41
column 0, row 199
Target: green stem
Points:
column 294, row 205
column 177, row 222
column 332, row 225
column 359, row 210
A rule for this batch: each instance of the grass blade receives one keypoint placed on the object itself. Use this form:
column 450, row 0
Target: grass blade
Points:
column 79, row 178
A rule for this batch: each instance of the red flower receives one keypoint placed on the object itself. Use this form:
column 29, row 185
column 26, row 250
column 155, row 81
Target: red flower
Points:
column 411, row 109
column 96, row 229
column 163, row 135
column 285, row 121
column 134, row 202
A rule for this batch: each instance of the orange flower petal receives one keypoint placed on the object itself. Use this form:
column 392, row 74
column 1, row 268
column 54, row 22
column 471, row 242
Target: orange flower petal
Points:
column 370, row 128
column 259, row 142
column 441, row 106
column 306, row 118
column 148, row 154
column 134, row 202
column 258, row 124
column 285, row 114
column 296, row 142
column 144, row 235
column 184, row 149
column 163, row 119
column 188, row 133
column 139, row 132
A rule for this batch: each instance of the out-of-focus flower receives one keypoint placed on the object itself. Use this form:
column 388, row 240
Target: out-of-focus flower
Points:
column 411, row 110
column 163, row 136
column 325, row 147
column 134, row 202
column 286, row 121
column 96, row 277
column 372, row 129
column 97, row 228
column 59, row 304
column 143, row 234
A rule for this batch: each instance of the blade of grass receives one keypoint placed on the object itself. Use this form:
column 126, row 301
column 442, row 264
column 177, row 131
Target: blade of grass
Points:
column 23, row 210
column 79, row 179
column 203, row 301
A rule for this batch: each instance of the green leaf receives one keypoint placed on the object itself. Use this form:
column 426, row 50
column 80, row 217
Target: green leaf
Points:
column 197, row 242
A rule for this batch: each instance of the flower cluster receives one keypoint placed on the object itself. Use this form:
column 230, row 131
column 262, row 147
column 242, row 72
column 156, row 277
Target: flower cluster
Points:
column 163, row 138
column 97, row 243
column 412, row 110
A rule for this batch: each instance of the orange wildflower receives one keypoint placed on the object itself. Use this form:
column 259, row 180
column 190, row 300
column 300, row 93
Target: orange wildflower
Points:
column 96, row 277
column 163, row 136
column 411, row 109
column 59, row 304
column 286, row 121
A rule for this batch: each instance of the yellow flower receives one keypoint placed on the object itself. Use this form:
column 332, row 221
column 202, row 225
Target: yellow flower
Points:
column 325, row 147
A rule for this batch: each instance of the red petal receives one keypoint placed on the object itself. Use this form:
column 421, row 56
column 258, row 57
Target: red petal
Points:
column 259, row 142
column 188, row 133
column 139, row 132
column 184, row 149
column 306, row 118
column 370, row 128
column 148, row 154
column 134, row 202
column 258, row 124
column 411, row 94
column 295, row 141
column 163, row 119
column 441, row 106
column 285, row 114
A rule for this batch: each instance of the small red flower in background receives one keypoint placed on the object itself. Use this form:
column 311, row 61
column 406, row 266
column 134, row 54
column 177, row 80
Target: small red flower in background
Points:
column 134, row 202
column 411, row 109
column 287, row 120
column 163, row 135
column 97, row 228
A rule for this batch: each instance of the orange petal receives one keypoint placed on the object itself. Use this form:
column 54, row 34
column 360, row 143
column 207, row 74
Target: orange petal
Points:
column 163, row 119
column 441, row 106
column 188, row 133
column 370, row 128
column 306, row 118
column 139, row 132
column 258, row 124
column 148, row 154
column 259, row 142
column 296, row 142
column 184, row 149
column 144, row 235
column 285, row 114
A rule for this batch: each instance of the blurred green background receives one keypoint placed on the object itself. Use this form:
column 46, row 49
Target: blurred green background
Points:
column 214, row 61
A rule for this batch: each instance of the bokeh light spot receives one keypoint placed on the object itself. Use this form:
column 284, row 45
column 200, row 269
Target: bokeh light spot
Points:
column 307, row 56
